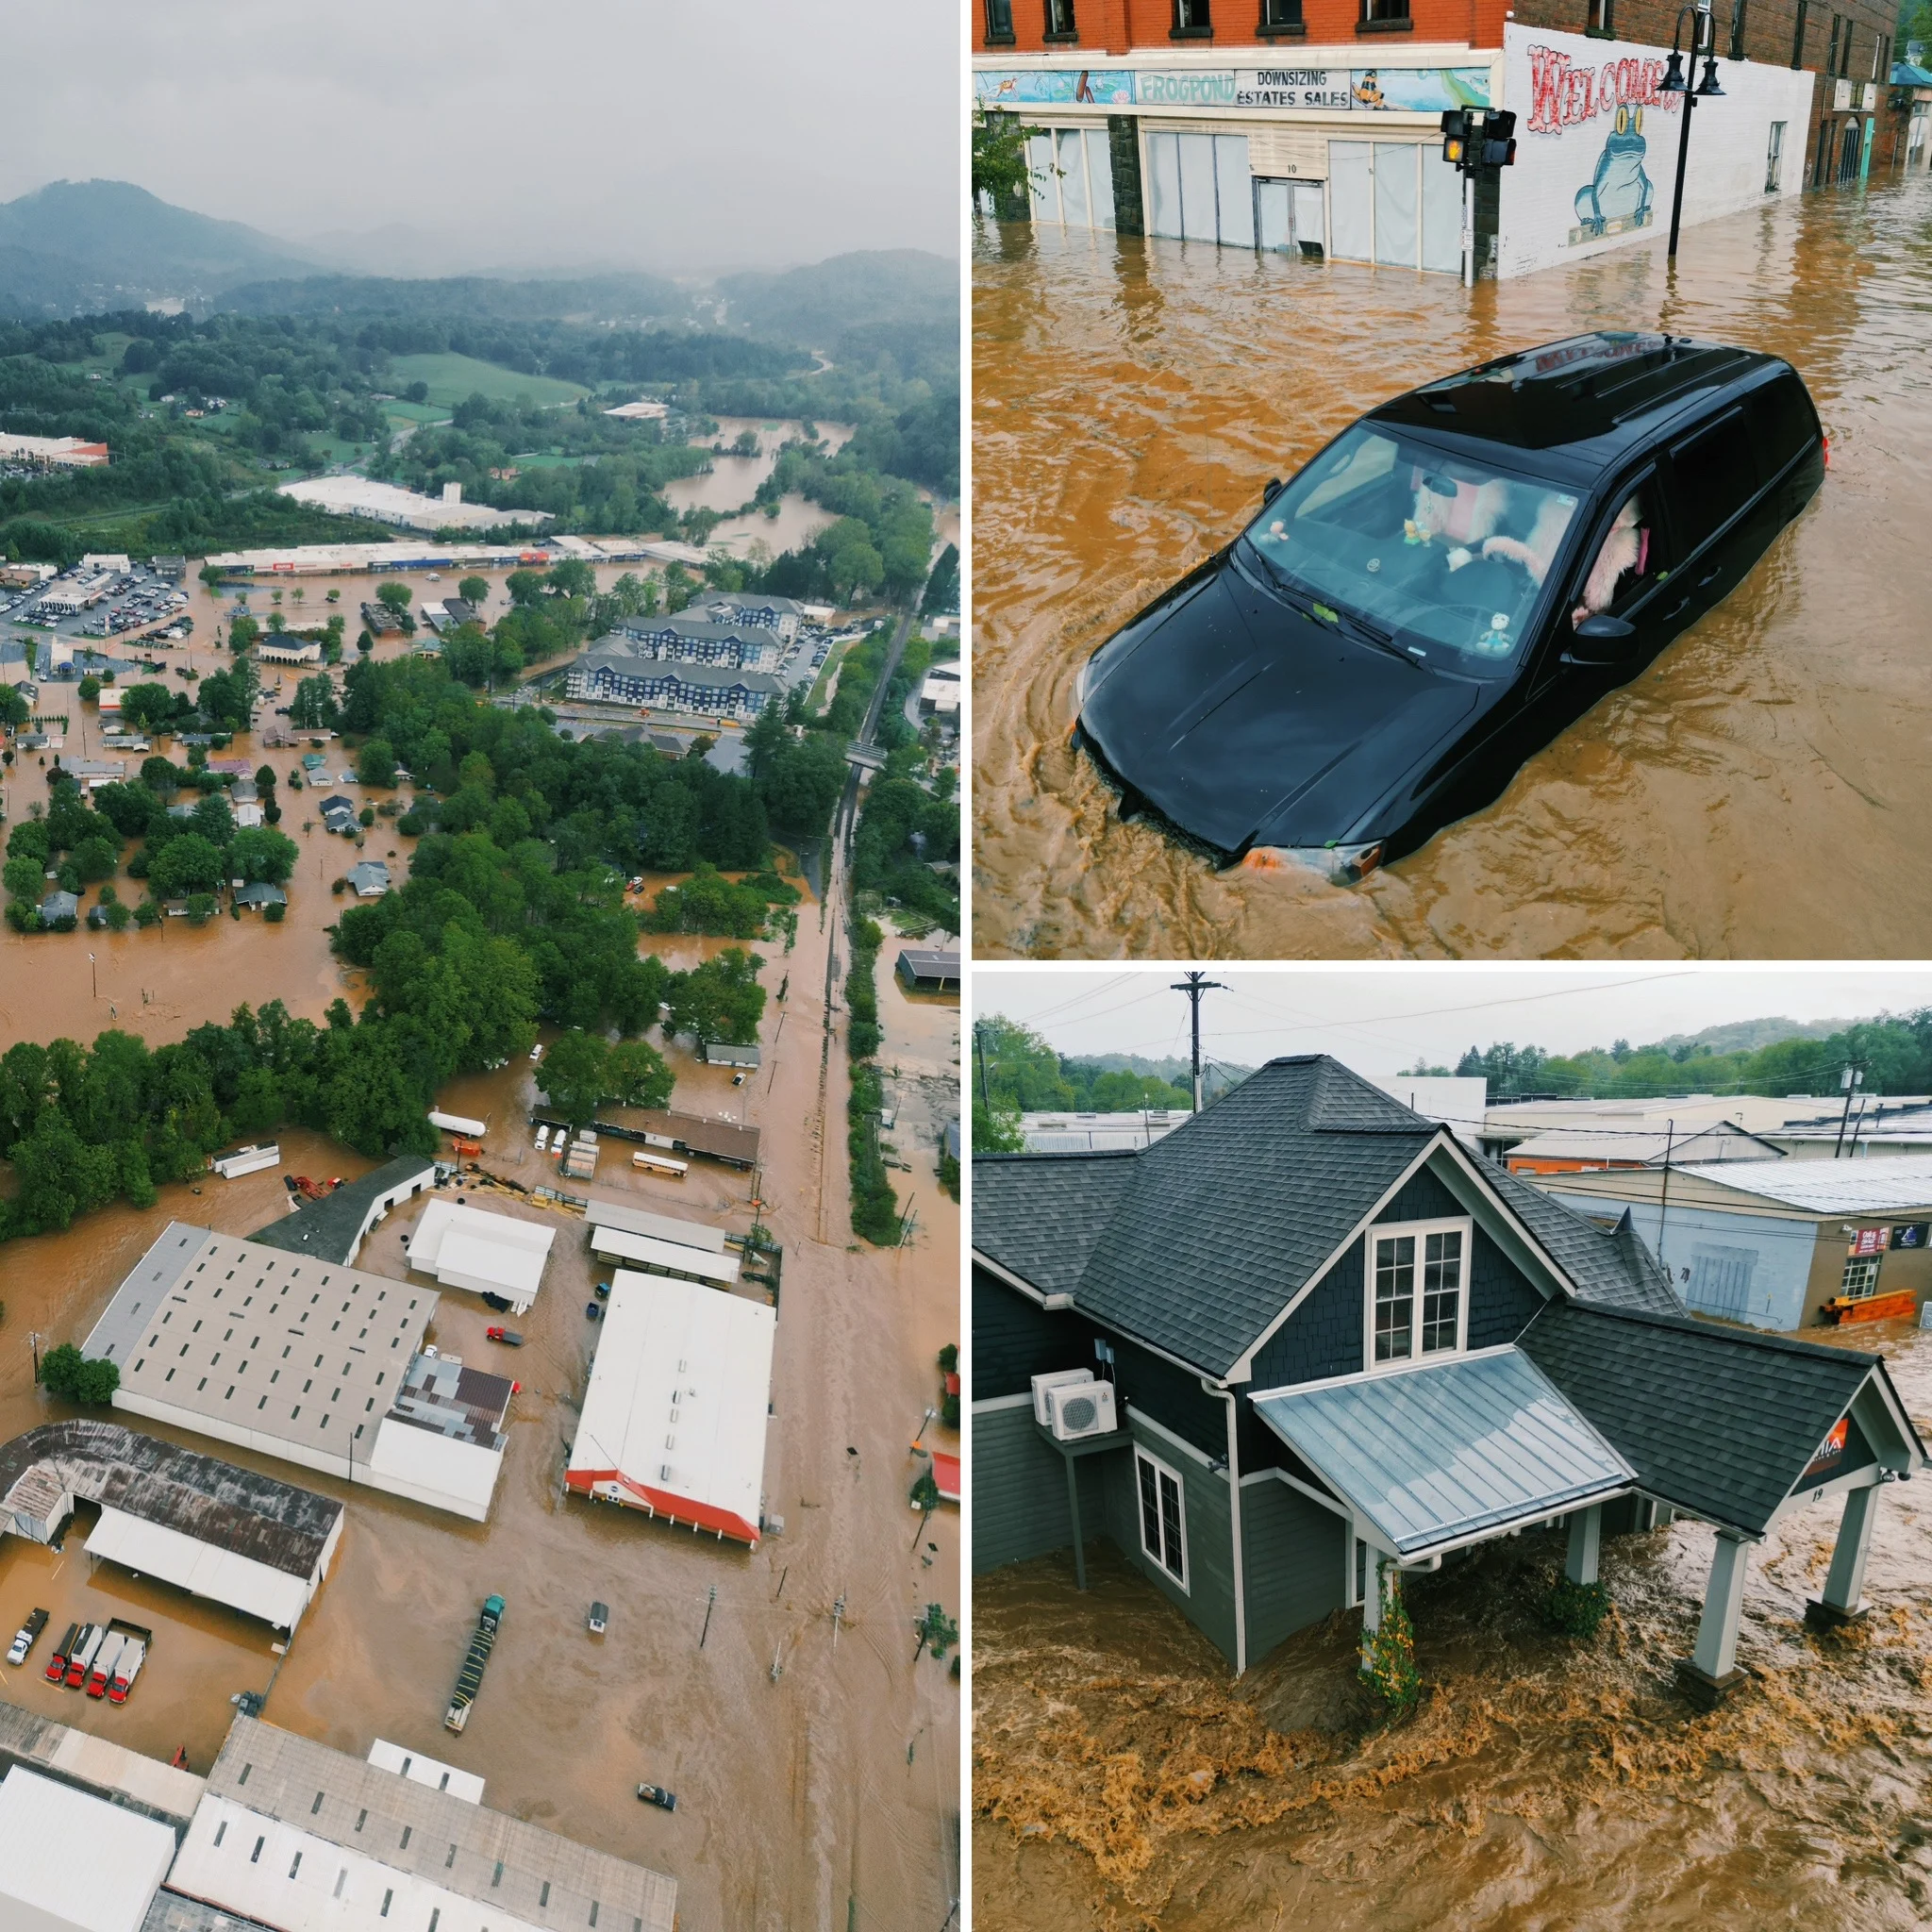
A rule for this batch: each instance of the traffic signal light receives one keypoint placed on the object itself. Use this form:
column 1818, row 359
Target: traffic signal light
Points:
column 1456, row 135
column 1499, row 139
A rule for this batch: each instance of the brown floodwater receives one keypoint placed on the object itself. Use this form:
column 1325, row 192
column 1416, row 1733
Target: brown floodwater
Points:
column 1121, row 1780
column 817, row 1766
column 1754, row 794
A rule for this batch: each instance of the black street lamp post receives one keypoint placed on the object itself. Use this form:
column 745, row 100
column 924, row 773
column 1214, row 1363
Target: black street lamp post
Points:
column 1703, row 47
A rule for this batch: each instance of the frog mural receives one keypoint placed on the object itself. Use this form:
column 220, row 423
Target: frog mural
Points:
column 1618, row 197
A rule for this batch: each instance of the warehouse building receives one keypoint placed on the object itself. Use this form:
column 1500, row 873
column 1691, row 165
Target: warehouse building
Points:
column 293, row 1834
column 601, row 1212
column 650, row 1255
column 487, row 1254
column 333, row 1228
column 306, row 1359
column 73, row 1862
column 922, row 970
column 1777, row 1243
column 673, row 1419
column 670, row 1132
column 246, row 1540
column 387, row 503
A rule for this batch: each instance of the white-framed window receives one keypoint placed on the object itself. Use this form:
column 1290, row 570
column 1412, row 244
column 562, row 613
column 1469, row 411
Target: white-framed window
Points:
column 1861, row 1276
column 1163, row 1500
column 1774, row 158
column 1417, row 1290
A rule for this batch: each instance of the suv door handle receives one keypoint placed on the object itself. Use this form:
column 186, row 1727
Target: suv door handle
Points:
column 1682, row 604
column 1711, row 577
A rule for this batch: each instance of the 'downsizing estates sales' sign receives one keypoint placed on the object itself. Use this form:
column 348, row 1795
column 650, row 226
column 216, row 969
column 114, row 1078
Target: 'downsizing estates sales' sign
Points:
column 1275, row 90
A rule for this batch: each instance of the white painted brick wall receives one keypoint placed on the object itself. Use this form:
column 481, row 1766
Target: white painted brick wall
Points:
column 1582, row 83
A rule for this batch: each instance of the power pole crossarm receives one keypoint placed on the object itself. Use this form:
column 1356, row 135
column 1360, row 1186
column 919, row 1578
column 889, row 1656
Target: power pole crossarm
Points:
column 1194, row 985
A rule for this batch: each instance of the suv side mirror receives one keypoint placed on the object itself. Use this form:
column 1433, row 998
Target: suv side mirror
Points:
column 1270, row 490
column 1602, row 639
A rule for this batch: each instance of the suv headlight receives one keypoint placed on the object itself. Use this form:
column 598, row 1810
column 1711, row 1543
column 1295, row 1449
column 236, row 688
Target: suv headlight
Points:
column 1341, row 865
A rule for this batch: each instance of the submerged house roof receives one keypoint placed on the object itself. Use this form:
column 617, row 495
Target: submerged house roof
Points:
column 1196, row 1243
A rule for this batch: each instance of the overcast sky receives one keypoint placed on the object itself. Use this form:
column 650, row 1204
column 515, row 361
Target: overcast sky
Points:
column 638, row 132
column 1379, row 1020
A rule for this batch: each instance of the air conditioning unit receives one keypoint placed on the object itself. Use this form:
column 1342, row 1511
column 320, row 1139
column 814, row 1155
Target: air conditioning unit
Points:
column 1060, row 1378
column 1080, row 1408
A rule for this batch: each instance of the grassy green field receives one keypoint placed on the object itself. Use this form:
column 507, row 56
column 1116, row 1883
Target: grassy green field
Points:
column 414, row 412
column 451, row 378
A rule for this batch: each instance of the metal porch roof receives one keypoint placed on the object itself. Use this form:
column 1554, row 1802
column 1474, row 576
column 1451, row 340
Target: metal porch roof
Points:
column 1431, row 1457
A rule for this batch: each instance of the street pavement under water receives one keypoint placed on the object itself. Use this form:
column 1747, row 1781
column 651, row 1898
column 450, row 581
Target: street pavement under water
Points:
column 1761, row 790
column 1121, row 1780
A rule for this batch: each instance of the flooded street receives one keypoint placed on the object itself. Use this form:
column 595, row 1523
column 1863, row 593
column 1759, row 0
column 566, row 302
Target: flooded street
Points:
column 1121, row 1780
column 1769, row 774
column 816, row 1766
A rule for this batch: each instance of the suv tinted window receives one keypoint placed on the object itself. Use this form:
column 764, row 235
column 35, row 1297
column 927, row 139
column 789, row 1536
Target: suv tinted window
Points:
column 1716, row 472
column 1782, row 423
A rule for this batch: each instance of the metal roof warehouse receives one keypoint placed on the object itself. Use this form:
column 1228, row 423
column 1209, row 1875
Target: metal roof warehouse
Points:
column 248, row 1541
column 673, row 1419
column 294, row 1356
column 1338, row 1346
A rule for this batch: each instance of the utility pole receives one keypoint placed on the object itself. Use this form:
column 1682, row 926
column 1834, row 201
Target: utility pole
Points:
column 1194, row 985
column 710, row 1602
column 1664, row 1204
column 979, row 1047
column 1851, row 1080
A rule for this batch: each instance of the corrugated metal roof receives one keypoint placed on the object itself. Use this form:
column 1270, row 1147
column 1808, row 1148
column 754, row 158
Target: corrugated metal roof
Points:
column 1898, row 1182
column 1434, row 1455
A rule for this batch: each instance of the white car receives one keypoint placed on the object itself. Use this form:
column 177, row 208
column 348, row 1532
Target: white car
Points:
column 536, row 1051
column 542, row 1140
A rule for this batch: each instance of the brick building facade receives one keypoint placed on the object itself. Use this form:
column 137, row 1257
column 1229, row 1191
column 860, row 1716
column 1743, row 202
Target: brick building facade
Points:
column 1278, row 124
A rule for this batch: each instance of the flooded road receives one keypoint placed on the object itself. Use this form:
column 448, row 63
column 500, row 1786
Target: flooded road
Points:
column 1120, row 1780
column 816, row 1764
column 1758, row 792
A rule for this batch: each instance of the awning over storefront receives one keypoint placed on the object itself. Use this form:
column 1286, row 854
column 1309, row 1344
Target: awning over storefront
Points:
column 1430, row 1458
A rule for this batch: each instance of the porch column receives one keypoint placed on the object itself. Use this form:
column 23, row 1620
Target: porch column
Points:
column 1586, row 1539
column 1372, row 1599
column 1711, row 1673
column 1074, row 1510
column 1844, row 1598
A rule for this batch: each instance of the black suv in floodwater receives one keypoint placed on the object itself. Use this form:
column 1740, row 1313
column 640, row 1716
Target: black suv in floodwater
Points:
column 1453, row 581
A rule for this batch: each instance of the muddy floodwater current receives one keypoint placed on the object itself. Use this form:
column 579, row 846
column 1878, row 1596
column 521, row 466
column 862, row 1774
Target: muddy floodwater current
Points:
column 1121, row 1780
column 1761, row 790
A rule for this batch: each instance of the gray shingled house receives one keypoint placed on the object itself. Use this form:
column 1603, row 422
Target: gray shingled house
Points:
column 1340, row 1346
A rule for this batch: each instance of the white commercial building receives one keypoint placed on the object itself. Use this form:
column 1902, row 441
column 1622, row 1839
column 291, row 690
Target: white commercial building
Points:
column 293, row 1834
column 385, row 502
column 600, row 1210
column 432, row 1772
column 304, row 1359
column 653, row 1256
column 1100, row 1133
column 487, row 1254
column 673, row 1419
column 71, row 1862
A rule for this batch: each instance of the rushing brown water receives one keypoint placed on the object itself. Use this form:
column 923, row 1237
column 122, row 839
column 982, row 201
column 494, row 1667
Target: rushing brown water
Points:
column 1760, row 791
column 823, row 1795
column 1121, row 1780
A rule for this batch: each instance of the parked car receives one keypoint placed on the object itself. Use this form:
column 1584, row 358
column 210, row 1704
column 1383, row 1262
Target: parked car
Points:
column 600, row 1619
column 657, row 1795
column 591, row 1311
column 24, row 1638
column 1442, row 591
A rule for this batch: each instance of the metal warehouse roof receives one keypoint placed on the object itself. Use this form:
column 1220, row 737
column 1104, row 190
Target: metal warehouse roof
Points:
column 673, row 1419
column 332, row 1228
column 1432, row 1455
column 663, row 1258
column 429, row 1845
column 75, row 1858
column 214, row 1502
column 1893, row 1183
column 601, row 1212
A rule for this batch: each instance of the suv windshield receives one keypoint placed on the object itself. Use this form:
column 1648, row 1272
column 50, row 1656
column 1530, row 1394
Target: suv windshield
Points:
column 1441, row 552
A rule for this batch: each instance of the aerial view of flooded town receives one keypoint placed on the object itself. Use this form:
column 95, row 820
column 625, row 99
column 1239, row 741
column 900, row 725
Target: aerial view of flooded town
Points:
column 480, row 982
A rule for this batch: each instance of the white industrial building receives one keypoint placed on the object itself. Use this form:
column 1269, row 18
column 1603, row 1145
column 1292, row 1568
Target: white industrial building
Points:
column 333, row 1228
column 673, row 1419
column 304, row 1359
column 293, row 1834
column 487, row 1254
column 71, row 1862
column 386, row 502
column 600, row 1210
column 250, row 1542
column 652, row 1257
column 432, row 1772
column 1100, row 1133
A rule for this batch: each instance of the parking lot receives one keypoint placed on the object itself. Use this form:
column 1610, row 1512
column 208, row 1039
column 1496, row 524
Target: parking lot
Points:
column 202, row 1653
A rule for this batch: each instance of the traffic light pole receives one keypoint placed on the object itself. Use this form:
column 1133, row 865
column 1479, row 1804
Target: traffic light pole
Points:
column 1469, row 231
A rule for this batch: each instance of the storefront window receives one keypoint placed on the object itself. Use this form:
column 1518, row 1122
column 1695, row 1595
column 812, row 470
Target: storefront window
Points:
column 1861, row 1277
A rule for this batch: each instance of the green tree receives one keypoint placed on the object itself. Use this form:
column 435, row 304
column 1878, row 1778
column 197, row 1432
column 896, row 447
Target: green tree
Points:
column 394, row 594
column 720, row 999
column 185, row 866
column 475, row 591
column 574, row 1075
column 375, row 765
column 635, row 1075
column 89, row 689
column 95, row 858
column 314, row 707
column 261, row 855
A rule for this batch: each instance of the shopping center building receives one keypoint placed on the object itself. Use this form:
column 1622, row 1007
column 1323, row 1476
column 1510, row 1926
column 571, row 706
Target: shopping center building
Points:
column 1314, row 125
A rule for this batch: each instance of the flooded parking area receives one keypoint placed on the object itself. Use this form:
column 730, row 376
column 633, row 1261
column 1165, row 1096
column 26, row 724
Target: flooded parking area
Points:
column 1121, row 1779
column 775, row 1691
column 1739, row 798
